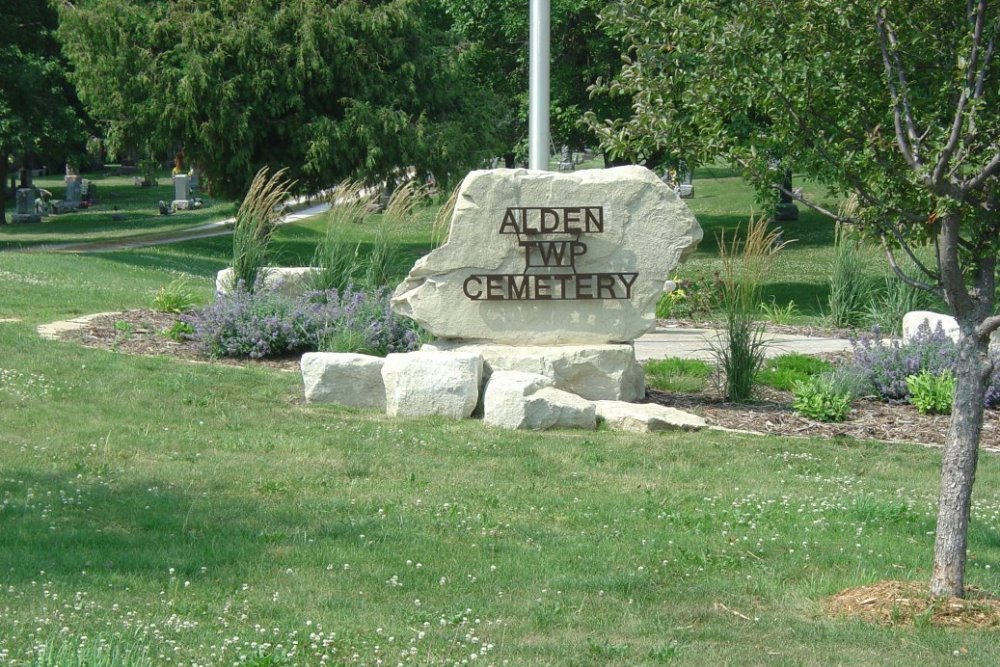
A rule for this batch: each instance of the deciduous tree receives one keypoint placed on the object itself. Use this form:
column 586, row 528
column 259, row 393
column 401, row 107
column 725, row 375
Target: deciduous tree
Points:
column 37, row 106
column 893, row 102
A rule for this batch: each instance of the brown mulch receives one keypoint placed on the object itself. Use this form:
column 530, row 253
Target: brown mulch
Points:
column 905, row 602
column 141, row 332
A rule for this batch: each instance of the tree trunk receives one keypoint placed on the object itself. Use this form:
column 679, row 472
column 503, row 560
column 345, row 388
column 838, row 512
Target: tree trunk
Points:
column 3, row 188
column 958, row 465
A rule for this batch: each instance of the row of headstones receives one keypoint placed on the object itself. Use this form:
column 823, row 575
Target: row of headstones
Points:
column 514, row 388
column 30, row 205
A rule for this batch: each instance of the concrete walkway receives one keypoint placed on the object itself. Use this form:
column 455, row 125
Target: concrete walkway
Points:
column 697, row 344
column 207, row 230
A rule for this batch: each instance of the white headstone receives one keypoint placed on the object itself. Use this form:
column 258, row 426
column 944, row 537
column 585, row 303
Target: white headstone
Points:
column 73, row 189
column 547, row 258
column 182, row 191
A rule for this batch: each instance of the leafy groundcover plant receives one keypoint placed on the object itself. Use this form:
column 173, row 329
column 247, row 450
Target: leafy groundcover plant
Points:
column 267, row 323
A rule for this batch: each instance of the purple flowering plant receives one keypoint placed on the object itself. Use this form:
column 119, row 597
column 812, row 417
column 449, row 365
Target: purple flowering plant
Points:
column 886, row 365
column 267, row 323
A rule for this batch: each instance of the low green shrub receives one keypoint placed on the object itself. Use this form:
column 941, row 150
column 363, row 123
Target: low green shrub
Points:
column 679, row 375
column 779, row 314
column 180, row 331
column 784, row 371
column 932, row 393
column 175, row 297
column 692, row 299
column 821, row 399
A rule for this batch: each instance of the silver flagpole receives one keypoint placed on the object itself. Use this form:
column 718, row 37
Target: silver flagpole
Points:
column 538, row 86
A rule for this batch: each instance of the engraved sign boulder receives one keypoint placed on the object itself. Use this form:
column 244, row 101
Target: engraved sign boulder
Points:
column 547, row 258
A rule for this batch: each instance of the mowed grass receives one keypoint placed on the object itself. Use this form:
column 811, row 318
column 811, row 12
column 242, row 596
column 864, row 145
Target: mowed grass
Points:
column 203, row 515
column 204, row 512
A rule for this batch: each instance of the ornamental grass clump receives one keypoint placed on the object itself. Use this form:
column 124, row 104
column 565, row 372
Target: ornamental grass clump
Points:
column 267, row 323
column 739, row 349
column 850, row 290
column 337, row 258
column 255, row 222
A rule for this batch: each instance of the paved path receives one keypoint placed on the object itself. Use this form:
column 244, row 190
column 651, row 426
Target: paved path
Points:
column 207, row 230
column 696, row 344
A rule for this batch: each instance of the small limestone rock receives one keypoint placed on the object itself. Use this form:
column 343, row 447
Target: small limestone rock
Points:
column 914, row 319
column 420, row 384
column 593, row 372
column 289, row 280
column 646, row 417
column 344, row 379
column 517, row 400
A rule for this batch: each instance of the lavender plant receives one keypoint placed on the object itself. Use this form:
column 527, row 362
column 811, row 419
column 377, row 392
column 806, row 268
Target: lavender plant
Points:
column 886, row 365
column 265, row 323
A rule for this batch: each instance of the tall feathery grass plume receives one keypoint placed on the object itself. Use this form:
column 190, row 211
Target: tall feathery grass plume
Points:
column 256, row 219
column 740, row 347
column 337, row 259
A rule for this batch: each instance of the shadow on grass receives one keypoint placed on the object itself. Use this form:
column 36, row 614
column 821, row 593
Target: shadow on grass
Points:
column 809, row 298
column 76, row 521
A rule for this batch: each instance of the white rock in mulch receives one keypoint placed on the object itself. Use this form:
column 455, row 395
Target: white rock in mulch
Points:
column 547, row 258
column 913, row 320
column 289, row 280
column 646, row 417
column 422, row 383
column 343, row 378
column 593, row 372
column 517, row 400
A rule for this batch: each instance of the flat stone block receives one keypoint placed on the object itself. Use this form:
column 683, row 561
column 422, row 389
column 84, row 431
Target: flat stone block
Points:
column 343, row 378
column 593, row 372
column 422, row 383
column 515, row 400
column 646, row 417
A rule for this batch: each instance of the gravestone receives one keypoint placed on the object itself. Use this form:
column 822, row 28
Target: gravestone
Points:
column 73, row 186
column 548, row 258
column 182, row 193
column 73, row 195
column 24, row 207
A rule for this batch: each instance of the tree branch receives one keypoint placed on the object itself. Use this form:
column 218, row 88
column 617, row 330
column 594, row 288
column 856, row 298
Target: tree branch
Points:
column 935, row 289
column 988, row 326
column 970, row 76
column 901, row 111
column 991, row 169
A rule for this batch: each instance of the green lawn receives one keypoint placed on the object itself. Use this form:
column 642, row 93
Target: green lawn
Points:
column 203, row 515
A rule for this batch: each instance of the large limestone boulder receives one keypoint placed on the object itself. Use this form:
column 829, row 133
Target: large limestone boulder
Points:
column 593, row 372
column 646, row 417
column 517, row 400
column 422, row 383
column 547, row 258
column 288, row 280
column 343, row 378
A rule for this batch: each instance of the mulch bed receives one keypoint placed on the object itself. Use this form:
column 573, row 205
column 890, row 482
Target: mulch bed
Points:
column 902, row 603
column 771, row 414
